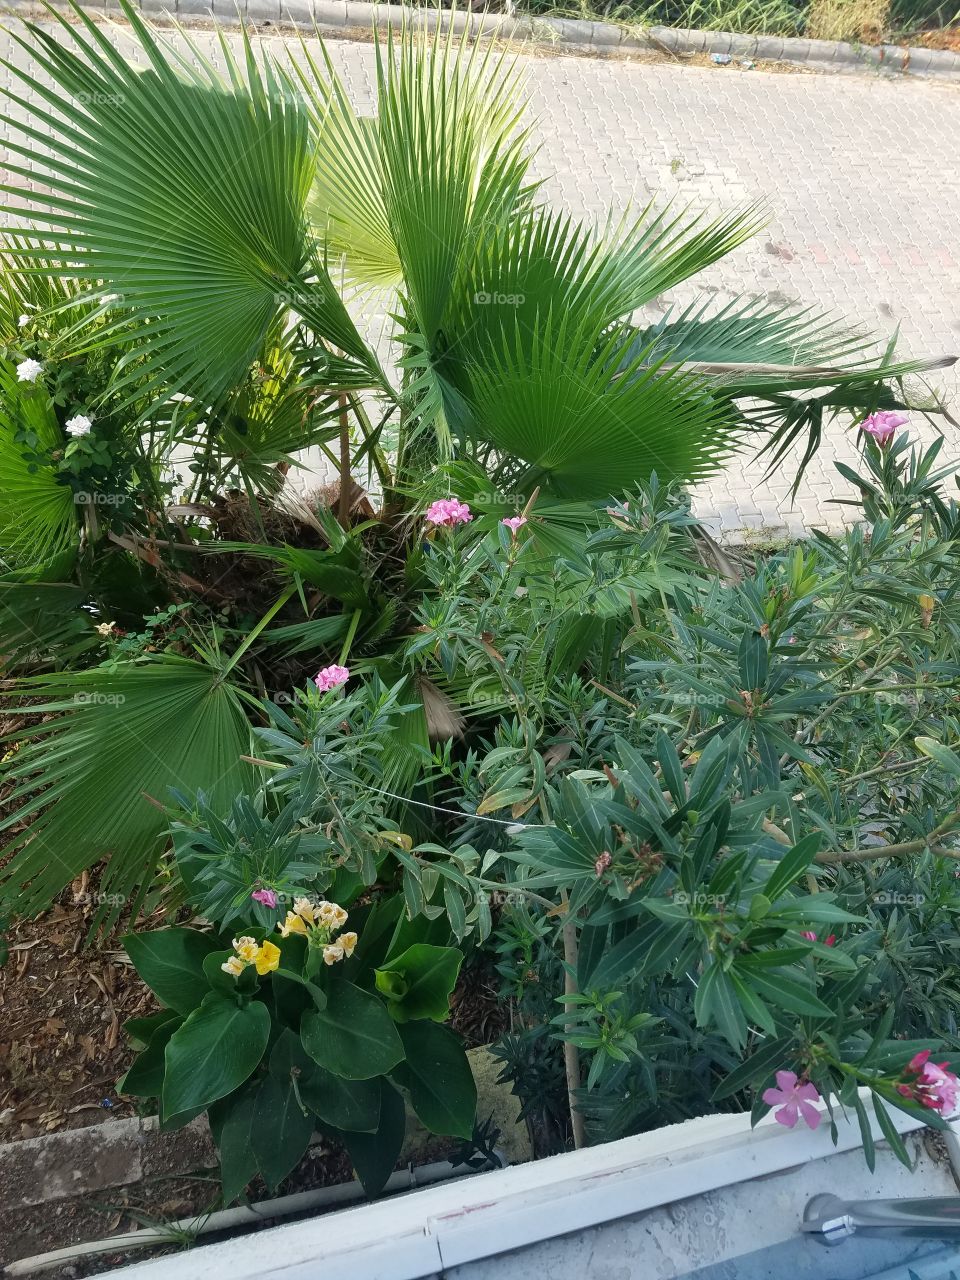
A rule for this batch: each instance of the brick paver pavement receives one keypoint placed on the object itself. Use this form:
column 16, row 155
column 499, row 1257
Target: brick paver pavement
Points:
column 862, row 176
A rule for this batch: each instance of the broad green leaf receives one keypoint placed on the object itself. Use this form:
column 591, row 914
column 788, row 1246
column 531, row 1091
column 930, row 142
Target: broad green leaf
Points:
column 140, row 1030
column 353, row 1105
column 232, row 1123
column 144, row 1079
column 375, row 1154
column 213, row 1053
column 170, row 962
column 419, row 983
column 354, row 1037
column 437, row 1074
column 889, row 1131
column 282, row 1123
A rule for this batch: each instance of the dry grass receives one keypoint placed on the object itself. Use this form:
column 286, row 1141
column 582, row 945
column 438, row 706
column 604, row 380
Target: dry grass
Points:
column 864, row 20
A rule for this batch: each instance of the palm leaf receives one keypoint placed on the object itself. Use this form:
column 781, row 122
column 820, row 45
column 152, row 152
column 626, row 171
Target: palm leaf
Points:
column 40, row 619
column 38, row 515
column 181, row 191
column 89, row 776
column 547, row 399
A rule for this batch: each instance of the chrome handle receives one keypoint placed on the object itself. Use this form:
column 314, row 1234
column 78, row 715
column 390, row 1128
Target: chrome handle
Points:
column 832, row 1220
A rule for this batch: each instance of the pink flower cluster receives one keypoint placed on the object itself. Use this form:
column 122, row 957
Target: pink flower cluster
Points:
column 330, row 677
column 447, row 512
column 267, row 896
column 793, row 1100
column 828, row 941
column 932, row 1085
column 883, row 424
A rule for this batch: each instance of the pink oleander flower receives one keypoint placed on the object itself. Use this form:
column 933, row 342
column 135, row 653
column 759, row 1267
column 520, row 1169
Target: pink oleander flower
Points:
column 447, row 512
column 331, row 677
column 883, row 424
column 828, row 941
column 934, row 1087
column 267, row 896
column 514, row 523
column 793, row 1100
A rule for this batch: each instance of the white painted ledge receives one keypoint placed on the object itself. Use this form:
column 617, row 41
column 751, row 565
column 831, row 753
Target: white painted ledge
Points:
column 422, row 1233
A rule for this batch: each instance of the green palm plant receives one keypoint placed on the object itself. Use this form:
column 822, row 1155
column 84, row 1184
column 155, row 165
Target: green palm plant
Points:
column 215, row 205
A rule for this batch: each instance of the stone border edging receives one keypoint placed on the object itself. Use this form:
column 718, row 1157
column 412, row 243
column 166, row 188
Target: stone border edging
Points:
column 572, row 33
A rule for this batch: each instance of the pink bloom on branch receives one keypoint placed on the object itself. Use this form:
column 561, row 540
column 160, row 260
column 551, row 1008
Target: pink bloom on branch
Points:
column 793, row 1100
column 883, row 424
column 935, row 1086
column 810, row 937
column 828, row 941
column 331, row 677
column 514, row 523
column 267, row 896
column 447, row 512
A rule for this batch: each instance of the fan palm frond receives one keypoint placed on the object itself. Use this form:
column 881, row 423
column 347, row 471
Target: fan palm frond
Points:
column 38, row 515
column 205, row 263
column 91, row 776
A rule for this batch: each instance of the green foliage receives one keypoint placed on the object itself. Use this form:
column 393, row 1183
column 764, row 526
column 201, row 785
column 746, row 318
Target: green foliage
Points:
column 94, row 770
column 720, row 807
column 280, row 1044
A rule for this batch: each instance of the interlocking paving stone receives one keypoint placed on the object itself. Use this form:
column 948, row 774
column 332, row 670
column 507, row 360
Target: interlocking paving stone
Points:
column 861, row 176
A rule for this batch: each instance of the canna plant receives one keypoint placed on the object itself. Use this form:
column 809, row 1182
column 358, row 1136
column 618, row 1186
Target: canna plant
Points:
column 279, row 1020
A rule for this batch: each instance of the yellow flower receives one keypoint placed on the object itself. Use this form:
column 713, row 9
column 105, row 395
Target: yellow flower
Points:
column 304, row 908
column 348, row 941
column 331, row 916
column 268, row 958
column 292, row 924
column 246, row 948
column 332, row 953
column 234, row 966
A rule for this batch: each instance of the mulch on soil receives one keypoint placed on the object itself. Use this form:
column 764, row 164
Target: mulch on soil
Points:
column 62, row 1009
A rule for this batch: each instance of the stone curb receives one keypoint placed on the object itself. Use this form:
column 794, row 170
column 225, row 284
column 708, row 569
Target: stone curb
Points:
column 117, row 1153
column 568, row 33
column 121, row 1153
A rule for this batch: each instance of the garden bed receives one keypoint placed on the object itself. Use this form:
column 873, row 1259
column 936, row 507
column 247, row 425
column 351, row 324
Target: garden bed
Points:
column 497, row 747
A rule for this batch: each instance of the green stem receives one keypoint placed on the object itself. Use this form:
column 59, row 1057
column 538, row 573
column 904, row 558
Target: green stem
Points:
column 267, row 617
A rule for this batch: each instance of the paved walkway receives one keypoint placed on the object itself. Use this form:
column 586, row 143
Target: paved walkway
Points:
column 862, row 176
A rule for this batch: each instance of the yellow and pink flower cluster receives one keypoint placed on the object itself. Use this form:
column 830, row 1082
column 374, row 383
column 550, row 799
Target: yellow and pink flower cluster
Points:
column 319, row 922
